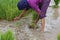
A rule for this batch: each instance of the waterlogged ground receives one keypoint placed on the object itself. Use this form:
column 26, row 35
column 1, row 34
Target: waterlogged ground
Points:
column 22, row 32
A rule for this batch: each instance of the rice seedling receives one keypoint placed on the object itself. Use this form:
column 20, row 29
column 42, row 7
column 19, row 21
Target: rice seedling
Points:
column 6, row 36
column 34, row 15
column 58, row 37
column 56, row 3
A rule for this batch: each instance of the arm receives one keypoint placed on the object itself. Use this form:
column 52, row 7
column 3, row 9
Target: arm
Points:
column 35, row 7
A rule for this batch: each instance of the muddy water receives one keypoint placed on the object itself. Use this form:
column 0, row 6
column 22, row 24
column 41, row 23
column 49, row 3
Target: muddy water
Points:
column 56, row 13
column 22, row 32
column 52, row 23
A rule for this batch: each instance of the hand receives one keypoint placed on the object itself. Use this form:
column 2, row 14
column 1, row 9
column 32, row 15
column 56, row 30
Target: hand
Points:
column 16, row 18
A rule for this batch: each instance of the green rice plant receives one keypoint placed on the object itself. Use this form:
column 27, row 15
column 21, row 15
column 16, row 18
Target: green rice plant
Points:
column 34, row 15
column 6, row 36
column 8, row 9
column 58, row 36
column 2, row 15
column 56, row 3
column 0, row 36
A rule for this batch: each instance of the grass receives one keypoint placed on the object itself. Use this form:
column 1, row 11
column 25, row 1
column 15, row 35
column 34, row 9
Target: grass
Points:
column 34, row 15
column 6, row 36
column 56, row 3
column 8, row 9
column 58, row 36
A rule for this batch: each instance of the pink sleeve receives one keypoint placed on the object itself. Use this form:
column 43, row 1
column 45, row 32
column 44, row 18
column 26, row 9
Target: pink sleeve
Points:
column 35, row 7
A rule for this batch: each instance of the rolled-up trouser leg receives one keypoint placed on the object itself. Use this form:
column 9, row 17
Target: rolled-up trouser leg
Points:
column 44, row 8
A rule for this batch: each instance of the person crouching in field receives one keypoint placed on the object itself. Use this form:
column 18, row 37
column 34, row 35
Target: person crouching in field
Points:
column 40, row 6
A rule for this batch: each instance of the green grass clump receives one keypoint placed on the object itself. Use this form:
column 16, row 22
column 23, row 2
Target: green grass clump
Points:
column 6, row 36
column 58, row 36
column 34, row 15
column 56, row 3
column 8, row 9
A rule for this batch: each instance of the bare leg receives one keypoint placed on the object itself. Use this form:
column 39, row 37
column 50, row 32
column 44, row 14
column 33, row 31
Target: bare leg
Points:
column 42, row 24
column 21, row 15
